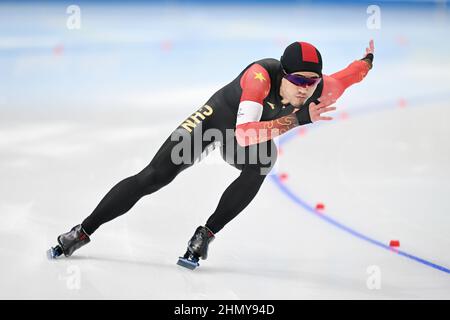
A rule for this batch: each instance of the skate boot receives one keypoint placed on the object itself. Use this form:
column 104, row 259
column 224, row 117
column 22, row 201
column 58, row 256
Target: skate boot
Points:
column 69, row 242
column 197, row 248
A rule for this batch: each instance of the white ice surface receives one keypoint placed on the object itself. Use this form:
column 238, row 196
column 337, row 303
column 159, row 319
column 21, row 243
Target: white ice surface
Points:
column 64, row 144
column 274, row 249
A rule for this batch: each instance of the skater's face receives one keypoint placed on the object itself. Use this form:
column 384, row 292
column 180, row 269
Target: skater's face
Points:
column 297, row 95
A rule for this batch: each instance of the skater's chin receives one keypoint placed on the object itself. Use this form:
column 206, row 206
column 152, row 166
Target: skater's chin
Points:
column 297, row 103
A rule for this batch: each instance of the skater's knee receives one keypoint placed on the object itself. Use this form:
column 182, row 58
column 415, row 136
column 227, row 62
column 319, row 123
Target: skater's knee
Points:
column 152, row 178
column 263, row 158
column 257, row 172
column 253, row 175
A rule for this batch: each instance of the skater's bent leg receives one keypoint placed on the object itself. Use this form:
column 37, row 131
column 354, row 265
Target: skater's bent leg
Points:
column 124, row 195
column 235, row 198
column 242, row 190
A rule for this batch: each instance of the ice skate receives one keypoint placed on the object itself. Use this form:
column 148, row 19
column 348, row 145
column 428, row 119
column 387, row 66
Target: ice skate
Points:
column 197, row 248
column 69, row 242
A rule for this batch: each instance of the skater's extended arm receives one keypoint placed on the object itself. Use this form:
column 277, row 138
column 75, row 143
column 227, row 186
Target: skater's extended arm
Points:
column 256, row 85
column 335, row 84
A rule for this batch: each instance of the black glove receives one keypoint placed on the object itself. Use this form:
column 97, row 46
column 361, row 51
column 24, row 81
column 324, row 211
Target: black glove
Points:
column 369, row 59
column 303, row 116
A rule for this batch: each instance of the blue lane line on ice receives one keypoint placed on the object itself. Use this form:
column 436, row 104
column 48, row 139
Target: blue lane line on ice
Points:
column 355, row 233
column 339, row 225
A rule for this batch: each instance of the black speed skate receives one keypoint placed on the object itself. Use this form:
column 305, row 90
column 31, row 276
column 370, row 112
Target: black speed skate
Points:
column 69, row 242
column 197, row 248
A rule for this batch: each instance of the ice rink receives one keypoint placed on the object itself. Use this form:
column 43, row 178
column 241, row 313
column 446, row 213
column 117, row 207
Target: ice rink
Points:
column 82, row 109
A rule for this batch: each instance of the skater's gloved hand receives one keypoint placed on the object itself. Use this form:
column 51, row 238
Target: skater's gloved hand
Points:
column 313, row 112
column 369, row 54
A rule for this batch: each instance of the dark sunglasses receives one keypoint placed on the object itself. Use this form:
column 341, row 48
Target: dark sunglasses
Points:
column 301, row 81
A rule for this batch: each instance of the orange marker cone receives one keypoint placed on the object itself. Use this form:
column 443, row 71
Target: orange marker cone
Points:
column 394, row 243
column 320, row 206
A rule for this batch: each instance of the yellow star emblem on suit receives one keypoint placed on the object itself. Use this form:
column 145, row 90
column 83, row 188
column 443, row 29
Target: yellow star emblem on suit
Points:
column 259, row 76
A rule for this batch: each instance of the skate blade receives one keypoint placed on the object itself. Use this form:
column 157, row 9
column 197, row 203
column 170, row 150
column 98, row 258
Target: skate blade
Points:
column 187, row 263
column 53, row 253
column 50, row 254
